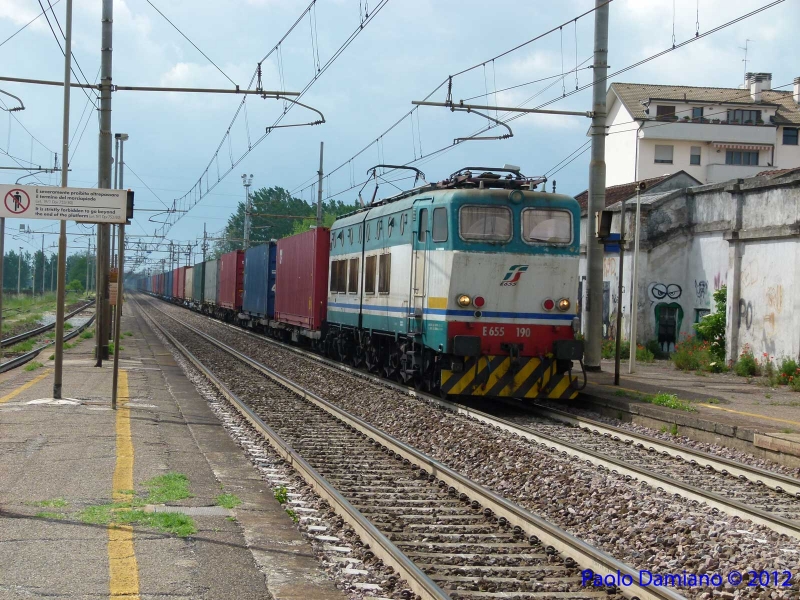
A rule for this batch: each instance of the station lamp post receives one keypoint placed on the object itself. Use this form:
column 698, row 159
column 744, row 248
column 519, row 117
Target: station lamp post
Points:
column 247, row 181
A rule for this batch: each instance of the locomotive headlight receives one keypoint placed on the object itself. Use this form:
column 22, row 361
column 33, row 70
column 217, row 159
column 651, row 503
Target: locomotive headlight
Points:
column 464, row 300
column 563, row 305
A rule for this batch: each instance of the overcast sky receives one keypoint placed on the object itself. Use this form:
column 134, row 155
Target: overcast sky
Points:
column 404, row 53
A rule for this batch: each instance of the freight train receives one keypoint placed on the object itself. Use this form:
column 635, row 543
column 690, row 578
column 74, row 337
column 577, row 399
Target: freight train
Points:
column 465, row 287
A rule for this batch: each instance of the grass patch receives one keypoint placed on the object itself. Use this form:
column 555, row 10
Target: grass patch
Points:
column 281, row 494
column 167, row 488
column 660, row 399
column 53, row 503
column 111, row 348
column 228, row 500
column 33, row 365
column 67, row 325
column 127, row 334
column 104, row 514
column 51, row 357
column 50, row 334
column 67, row 346
column 292, row 515
column 787, row 430
column 49, row 515
column 88, row 334
column 22, row 347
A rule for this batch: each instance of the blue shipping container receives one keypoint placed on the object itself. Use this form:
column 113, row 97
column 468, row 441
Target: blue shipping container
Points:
column 168, row 284
column 259, row 281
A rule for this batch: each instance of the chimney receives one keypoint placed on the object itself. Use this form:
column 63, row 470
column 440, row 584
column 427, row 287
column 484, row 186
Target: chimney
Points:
column 796, row 93
column 747, row 77
column 756, row 85
column 766, row 81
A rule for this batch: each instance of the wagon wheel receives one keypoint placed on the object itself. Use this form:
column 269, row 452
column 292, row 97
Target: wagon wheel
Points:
column 357, row 359
column 372, row 359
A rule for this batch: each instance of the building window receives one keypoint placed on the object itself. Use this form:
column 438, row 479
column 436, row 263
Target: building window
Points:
column 665, row 113
column 699, row 313
column 744, row 116
column 789, row 136
column 697, row 112
column 352, row 276
column 439, row 231
column 736, row 157
column 694, row 157
column 664, row 154
column 369, row 274
column 384, row 273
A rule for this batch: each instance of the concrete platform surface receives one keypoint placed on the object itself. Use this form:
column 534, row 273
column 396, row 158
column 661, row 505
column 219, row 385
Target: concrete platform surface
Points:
column 739, row 411
column 68, row 468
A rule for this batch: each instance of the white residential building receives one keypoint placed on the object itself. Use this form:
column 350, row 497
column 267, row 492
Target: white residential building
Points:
column 713, row 134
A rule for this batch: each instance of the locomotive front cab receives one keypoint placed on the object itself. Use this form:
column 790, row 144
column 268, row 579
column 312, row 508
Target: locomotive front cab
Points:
column 509, row 305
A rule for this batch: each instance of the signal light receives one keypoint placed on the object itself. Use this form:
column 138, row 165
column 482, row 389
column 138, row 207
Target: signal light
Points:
column 563, row 305
column 548, row 304
column 478, row 301
column 463, row 300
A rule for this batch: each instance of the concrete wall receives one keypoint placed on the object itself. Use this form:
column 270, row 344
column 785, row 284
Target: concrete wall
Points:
column 690, row 243
column 620, row 145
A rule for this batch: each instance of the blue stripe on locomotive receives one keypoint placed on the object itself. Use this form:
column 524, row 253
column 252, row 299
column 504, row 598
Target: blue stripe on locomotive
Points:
column 259, row 281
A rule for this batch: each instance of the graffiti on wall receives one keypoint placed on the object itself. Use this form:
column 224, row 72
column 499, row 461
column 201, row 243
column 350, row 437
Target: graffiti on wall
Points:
column 745, row 313
column 701, row 289
column 660, row 291
column 719, row 281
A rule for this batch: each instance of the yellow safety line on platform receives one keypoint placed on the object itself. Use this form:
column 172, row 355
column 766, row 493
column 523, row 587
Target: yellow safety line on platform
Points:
column 747, row 414
column 123, row 570
column 22, row 388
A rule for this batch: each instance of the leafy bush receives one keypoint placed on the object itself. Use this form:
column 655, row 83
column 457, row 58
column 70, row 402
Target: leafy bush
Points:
column 75, row 286
column 747, row 365
column 644, row 354
column 788, row 369
column 609, row 349
column 692, row 354
column 655, row 348
column 711, row 328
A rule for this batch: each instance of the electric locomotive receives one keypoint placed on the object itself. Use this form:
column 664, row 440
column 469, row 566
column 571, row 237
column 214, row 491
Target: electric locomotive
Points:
column 465, row 287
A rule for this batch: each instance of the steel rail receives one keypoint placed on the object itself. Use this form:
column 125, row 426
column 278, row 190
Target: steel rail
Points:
column 379, row 544
column 726, row 466
column 567, row 545
column 21, row 337
column 23, row 358
column 616, row 466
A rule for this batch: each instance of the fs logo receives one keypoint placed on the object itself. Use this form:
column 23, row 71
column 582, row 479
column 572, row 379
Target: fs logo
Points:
column 512, row 276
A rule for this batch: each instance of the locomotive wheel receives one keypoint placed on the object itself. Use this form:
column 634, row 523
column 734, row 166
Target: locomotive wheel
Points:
column 372, row 359
column 357, row 359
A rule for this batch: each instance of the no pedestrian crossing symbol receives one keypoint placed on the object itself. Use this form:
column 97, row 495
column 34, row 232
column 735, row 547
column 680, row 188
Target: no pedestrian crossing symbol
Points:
column 87, row 205
column 17, row 201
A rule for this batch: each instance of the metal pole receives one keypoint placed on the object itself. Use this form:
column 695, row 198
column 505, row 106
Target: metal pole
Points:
column 62, row 238
column 2, row 265
column 247, row 210
column 204, row 242
column 88, row 251
column 319, row 186
column 597, row 192
column 117, row 315
column 104, row 179
column 635, row 271
column 116, row 163
column 19, row 269
column 44, row 264
column 619, row 293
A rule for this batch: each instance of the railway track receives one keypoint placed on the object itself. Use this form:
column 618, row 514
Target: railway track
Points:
column 21, row 337
column 740, row 490
column 447, row 536
column 20, row 360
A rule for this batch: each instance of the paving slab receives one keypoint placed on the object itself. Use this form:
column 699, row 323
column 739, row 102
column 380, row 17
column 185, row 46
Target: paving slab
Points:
column 741, row 412
column 58, row 459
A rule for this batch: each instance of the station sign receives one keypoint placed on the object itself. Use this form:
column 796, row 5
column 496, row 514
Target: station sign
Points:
column 86, row 205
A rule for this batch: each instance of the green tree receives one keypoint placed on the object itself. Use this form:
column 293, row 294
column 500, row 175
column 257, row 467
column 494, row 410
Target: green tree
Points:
column 12, row 261
column 711, row 328
column 331, row 210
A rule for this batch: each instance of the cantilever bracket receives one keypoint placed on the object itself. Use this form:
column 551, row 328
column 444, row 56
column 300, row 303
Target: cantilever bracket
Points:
column 16, row 108
column 476, row 137
column 319, row 121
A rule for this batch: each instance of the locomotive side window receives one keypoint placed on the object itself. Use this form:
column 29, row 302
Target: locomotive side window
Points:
column 423, row 225
column 369, row 274
column 546, row 225
column 338, row 276
column 439, row 231
column 485, row 223
column 352, row 277
column 384, row 273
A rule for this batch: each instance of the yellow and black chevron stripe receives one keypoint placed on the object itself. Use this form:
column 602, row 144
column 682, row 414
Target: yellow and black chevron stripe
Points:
column 493, row 376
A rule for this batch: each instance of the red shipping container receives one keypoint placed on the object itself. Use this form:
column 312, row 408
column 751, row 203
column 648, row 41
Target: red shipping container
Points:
column 179, row 283
column 230, row 283
column 301, row 285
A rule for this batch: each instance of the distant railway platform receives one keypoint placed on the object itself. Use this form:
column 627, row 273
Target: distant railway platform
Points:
column 154, row 499
column 740, row 412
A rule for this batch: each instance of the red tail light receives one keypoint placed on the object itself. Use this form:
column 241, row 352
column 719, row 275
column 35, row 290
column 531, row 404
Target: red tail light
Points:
column 548, row 304
column 478, row 301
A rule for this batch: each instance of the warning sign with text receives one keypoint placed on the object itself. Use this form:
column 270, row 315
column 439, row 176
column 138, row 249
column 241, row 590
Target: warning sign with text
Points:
column 88, row 205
